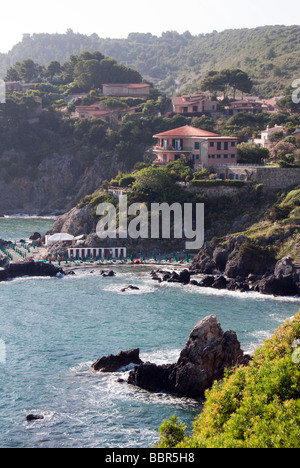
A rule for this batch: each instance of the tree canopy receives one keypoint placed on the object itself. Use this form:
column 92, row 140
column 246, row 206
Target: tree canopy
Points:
column 225, row 80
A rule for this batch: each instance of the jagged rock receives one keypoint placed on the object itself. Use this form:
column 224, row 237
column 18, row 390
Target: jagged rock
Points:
column 202, row 361
column 284, row 267
column 114, row 363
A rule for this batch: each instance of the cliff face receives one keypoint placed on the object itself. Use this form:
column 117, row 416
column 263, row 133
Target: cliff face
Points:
column 54, row 186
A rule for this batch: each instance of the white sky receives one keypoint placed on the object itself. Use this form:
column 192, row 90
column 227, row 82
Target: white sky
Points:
column 117, row 18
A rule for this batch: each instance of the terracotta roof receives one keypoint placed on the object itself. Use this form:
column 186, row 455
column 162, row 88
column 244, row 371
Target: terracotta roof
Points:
column 187, row 131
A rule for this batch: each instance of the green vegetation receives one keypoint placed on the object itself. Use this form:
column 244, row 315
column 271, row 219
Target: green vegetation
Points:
column 86, row 71
column 269, row 55
column 253, row 407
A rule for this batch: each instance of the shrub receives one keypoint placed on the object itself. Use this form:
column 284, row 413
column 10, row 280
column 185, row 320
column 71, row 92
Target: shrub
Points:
column 217, row 183
column 126, row 181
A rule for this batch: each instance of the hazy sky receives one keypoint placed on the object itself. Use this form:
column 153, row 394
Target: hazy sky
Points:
column 117, row 18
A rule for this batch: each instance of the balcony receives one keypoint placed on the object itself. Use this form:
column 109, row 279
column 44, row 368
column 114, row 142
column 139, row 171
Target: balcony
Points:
column 171, row 148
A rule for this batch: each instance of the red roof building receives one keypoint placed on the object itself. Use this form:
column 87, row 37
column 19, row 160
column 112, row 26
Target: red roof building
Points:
column 204, row 148
column 193, row 104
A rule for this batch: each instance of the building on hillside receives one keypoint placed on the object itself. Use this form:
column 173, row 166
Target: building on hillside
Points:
column 18, row 86
column 194, row 105
column 134, row 90
column 270, row 105
column 109, row 115
column 245, row 105
column 264, row 141
column 204, row 148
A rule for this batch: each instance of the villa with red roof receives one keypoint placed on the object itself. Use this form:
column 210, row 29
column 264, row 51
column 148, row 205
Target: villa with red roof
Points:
column 204, row 148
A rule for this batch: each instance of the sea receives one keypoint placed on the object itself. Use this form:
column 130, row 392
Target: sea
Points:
column 52, row 330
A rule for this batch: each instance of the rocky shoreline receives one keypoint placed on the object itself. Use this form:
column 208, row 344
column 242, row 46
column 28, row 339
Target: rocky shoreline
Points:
column 238, row 265
column 206, row 355
column 17, row 270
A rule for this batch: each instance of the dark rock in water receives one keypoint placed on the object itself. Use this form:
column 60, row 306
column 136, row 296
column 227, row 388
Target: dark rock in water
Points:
column 34, row 417
column 184, row 277
column 16, row 270
column 208, row 352
column 35, row 236
column 152, row 377
column 114, row 363
column 278, row 286
column 130, row 288
column 220, row 283
column 207, row 281
column 106, row 274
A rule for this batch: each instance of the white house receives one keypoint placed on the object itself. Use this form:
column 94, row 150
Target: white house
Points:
column 264, row 141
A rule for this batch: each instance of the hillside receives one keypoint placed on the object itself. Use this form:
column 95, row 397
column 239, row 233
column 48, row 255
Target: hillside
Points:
column 269, row 54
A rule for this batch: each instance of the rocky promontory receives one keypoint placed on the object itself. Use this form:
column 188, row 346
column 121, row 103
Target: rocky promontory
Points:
column 208, row 352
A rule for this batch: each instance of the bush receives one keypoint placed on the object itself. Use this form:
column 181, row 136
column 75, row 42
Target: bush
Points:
column 171, row 433
column 126, row 181
column 217, row 183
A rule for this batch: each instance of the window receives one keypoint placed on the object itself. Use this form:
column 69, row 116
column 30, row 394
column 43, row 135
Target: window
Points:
column 165, row 158
column 225, row 156
column 197, row 145
column 219, row 156
column 233, row 143
column 212, row 145
column 233, row 156
column 185, row 109
column 218, row 146
column 195, row 108
column 226, row 145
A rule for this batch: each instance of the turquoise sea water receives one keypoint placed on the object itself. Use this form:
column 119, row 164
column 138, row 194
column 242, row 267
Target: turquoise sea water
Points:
column 52, row 330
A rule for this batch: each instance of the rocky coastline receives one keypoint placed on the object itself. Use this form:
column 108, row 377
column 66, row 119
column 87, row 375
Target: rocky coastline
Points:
column 207, row 353
column 17, row 270
column 238, row 265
